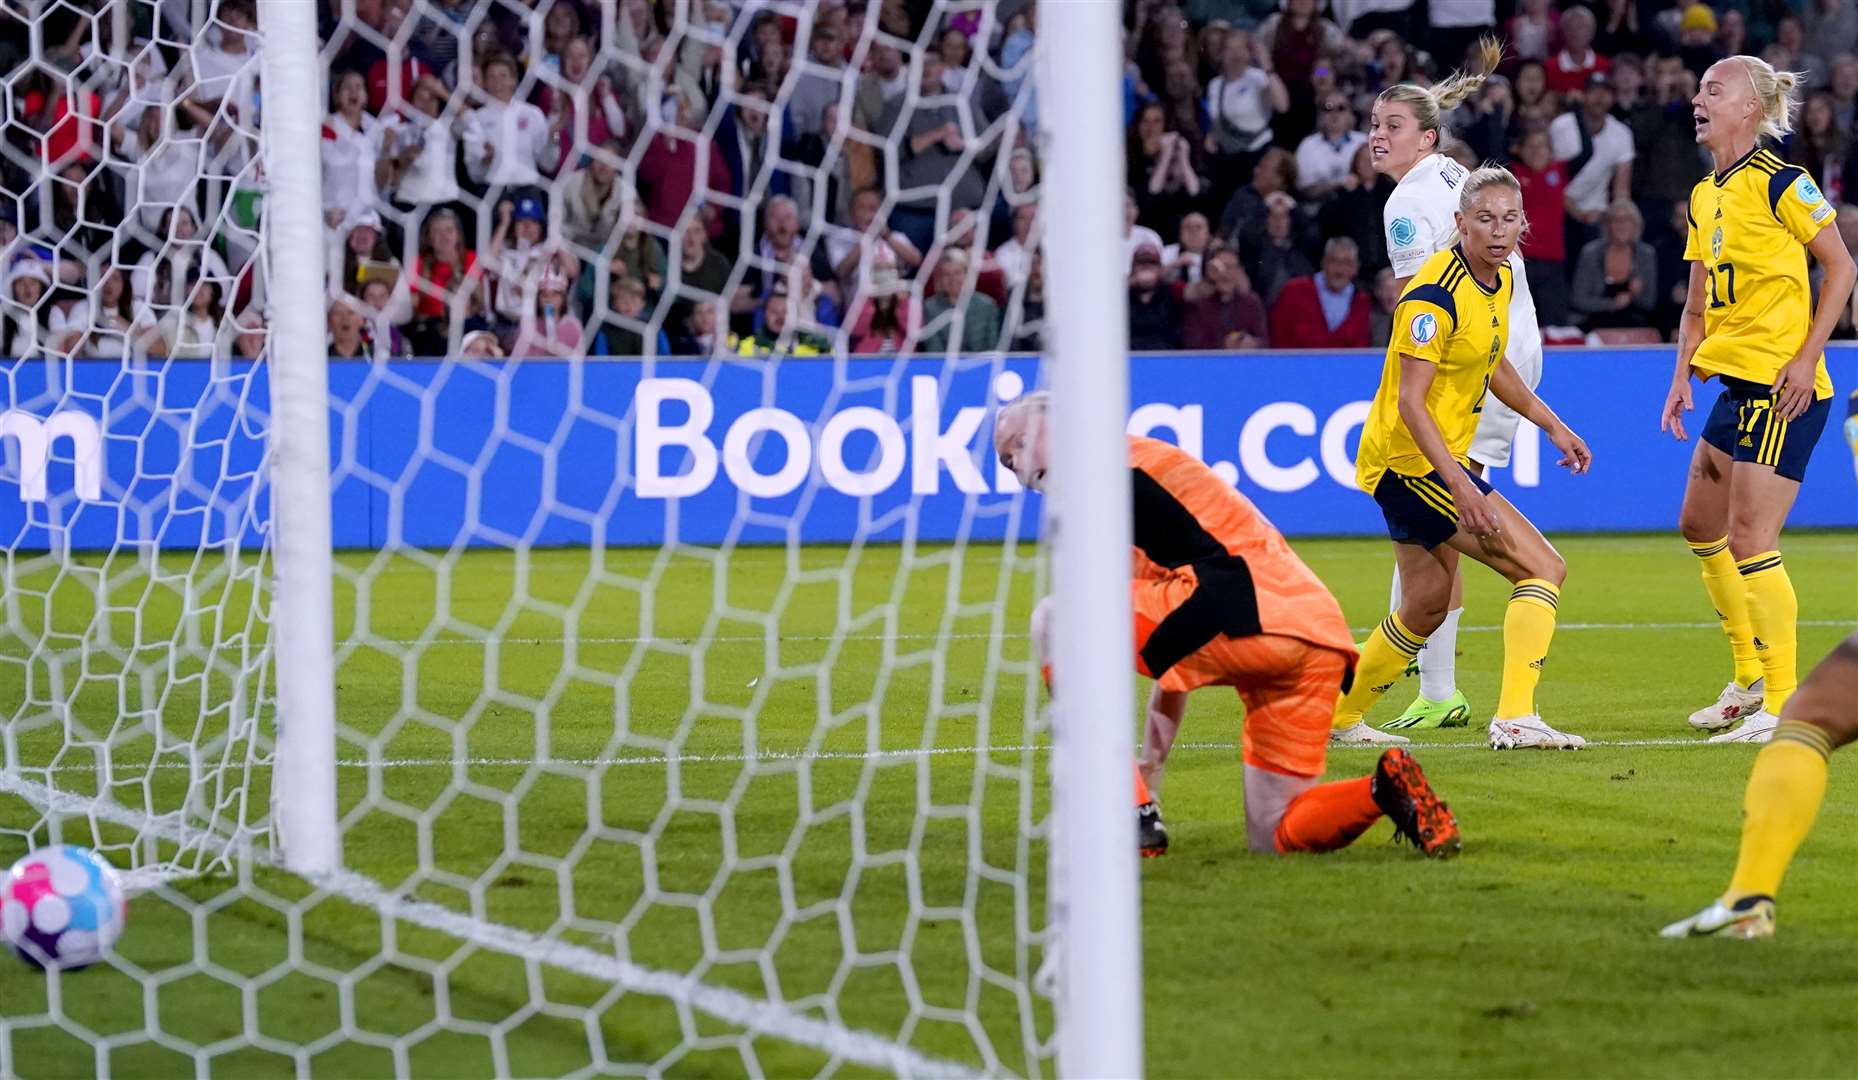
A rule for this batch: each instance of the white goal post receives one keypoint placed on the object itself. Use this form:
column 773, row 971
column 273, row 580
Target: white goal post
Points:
column 432, row 739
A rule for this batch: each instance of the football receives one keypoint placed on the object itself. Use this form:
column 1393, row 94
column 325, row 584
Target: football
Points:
column 62, row 906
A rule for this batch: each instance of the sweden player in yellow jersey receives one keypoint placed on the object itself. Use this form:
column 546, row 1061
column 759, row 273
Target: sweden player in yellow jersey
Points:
column 1751, row 324
column 1449, row 331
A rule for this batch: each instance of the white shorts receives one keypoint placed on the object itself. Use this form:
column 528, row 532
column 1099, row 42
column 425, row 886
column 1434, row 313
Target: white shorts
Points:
column 1497, row 424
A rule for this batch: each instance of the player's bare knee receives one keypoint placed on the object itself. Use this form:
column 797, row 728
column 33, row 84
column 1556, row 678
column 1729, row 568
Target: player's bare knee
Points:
column 1699, row 527
column 1549, row 566
column 1752, row 533
column 1423, row 614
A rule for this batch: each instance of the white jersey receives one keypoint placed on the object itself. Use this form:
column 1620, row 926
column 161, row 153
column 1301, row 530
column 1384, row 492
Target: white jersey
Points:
column 1419, row 220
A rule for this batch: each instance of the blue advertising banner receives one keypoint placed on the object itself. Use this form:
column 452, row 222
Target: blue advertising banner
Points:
column 434, row 454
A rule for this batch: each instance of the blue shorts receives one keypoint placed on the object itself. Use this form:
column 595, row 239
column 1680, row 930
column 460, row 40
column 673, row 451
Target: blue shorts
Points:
column 1742, row 424
column 1419, row 509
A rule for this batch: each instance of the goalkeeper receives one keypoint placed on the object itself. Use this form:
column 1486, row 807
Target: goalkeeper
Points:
column 1221, row 600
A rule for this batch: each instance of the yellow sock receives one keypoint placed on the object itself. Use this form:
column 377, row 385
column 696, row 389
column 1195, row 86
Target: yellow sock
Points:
column 1772, row 611
column 1528, row 627
column 1383, row 658
column 1783, row 797
column 1730, row 596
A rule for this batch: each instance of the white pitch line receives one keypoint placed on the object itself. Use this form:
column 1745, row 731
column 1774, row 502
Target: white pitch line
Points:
column 767, row 757
column 730, row 1006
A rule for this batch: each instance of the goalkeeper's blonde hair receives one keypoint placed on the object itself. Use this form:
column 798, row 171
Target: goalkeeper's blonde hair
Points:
column 1774, row 93
column 1431, row 103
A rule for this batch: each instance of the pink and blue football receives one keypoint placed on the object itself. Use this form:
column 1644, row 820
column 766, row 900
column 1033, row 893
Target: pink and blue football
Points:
column 62, row 906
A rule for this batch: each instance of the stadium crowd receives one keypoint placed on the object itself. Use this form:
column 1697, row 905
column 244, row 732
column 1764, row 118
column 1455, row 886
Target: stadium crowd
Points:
column 703, row 177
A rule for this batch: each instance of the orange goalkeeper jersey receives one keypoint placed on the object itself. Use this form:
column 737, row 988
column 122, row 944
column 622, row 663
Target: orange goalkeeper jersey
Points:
column 1223, row 567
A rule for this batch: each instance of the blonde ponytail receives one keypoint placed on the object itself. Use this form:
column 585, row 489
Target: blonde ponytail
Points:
column 1774, row 92
column 1430, row 104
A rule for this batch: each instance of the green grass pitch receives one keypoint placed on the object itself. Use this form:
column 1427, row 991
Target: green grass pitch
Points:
column 1532, row 955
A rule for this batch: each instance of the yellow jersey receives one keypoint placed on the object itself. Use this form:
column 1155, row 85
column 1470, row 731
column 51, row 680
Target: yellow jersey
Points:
column 1748, row 225
column 1450, row 319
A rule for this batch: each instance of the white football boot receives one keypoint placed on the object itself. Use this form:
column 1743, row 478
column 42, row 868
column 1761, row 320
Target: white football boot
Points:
column 1734, row 704
column 1360, row 734
column 1758, row 728
column 1750, row 917
column 1530, row 733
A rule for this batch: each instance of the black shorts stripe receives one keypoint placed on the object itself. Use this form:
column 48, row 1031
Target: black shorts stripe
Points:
column 1223, row 602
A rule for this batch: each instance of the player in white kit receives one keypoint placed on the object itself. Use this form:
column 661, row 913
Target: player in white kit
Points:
column 1405, row 142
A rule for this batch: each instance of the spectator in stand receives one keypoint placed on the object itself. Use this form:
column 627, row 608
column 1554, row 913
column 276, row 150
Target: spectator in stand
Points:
column 1222, row 311
column 1544, row 183
column 160, row 165
column 1161, row 171
column 1241, row 102
column 185, row 253
column 246, row 337
column 817, row 89
column 1386, row 298
column 1844, row 89
column 776, row 336
column 931, row 158
column 1326, row 310
column 23, row 331
column 780, row 242
column 669, row 170
column 116, row 320
column 953, row 308
column 1184, row 260
column 445, row 272
column 1628, row 76
column 1819, row 146
column 193, row 331
column 591, row 200
column 1616, row 284
column 1619, row 29
column 700, row 332
column 1243, row 219
column 1531, row 31
column 1154, row 313
column 223, row 64
column 1484, row 122
column 1696, row 38
column 1015, row 256
column 363, row 255
column 1135, row 236
column 549, row 326
column 1599, row 153
column 1664, row 136
column 420, row 150
column 1536, row 104
column 641, row 256
column 1026, row 331
column 1731, row 33
column 747, row 147
column 1673, row 270
column 606, row 116
column 1832, row 26
column 1570, row 68
column 1278, row 257
column 507, row 142
column 703, row 272
column 865, row 245
column 387, row 308
column 516, row 255
column 877, row 105
column 1326, row 156
column 480, row 345
column 1294, row 41
column 347, row 338
column 352, row 167
column 886, row 318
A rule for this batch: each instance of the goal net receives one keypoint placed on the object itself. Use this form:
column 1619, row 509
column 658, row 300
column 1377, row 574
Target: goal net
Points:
column 682, row 712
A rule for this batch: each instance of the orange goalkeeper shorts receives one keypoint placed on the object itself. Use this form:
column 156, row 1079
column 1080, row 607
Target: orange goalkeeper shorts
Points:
column 1288, row 685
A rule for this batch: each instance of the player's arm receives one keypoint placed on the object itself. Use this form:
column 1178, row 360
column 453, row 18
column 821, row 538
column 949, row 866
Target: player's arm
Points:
column 1508, row 385
column 1689, row 336
column 1416, row 375
column 1793, row 388
column 1165, row 710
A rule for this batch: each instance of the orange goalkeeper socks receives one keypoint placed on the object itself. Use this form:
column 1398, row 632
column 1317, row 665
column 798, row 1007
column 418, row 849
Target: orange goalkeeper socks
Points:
column 1142, row 797
column 1328, row 816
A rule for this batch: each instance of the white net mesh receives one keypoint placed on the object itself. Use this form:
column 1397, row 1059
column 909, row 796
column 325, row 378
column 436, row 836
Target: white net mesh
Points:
column 686, row 721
